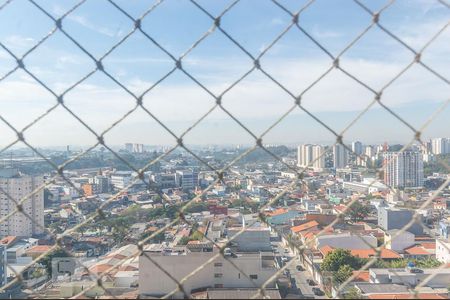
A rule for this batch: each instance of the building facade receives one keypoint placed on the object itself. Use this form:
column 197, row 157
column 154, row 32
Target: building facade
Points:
column 396, row 218
column 187, row 179
column 121, row 179
column 340, row 156
column 357, row 148
column 17, row 186
column 440, row 146
column 403, row 169
column 256, row 269
column 311, row 156
column 3, row 267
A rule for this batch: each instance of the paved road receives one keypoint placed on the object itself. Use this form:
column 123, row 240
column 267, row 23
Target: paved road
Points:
column 298, row 278
column 300, row 281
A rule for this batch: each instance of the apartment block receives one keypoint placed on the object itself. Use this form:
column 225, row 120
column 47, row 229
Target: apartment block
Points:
column 218, row 273
column 17, row 186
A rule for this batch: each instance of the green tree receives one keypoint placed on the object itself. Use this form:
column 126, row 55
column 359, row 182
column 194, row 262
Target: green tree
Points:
column 184, row 240
column 197, row 236
column 357, row 212
column 340, row 257
column 342, row 274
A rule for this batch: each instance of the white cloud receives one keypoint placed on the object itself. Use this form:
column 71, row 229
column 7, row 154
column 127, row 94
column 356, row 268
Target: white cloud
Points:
column 19, row 42
column 100, row 29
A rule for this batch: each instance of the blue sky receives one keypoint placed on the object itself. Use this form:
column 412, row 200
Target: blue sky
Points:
column 216, row 62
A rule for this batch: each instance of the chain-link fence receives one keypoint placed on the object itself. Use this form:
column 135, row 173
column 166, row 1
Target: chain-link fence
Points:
column 303, row 248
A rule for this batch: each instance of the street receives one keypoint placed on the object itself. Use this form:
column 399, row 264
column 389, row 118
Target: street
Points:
column 298, row 278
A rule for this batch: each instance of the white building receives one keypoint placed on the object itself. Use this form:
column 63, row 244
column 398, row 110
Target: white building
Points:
column 311, row 156
column 251, row 239
column 346, row 241
column 339, row 156
column 399, row 242
column 134, row 148
column 369, row 185
column 368, row 150
column 434, row 278
column 17, row 186
column 403, row 169
column 440, row 146
column 121, row 179
column 443, row 251
column 187, row 179
column 217, row 273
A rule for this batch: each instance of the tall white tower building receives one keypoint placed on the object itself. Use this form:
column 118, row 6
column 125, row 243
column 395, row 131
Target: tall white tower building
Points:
column 403, row 169
column 311, row 156
column 440, row 146
column 17, row 186
column 339, row 156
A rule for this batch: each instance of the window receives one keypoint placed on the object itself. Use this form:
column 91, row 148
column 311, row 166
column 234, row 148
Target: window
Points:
column 218, row 275
column 253, row 276
column 217, row 264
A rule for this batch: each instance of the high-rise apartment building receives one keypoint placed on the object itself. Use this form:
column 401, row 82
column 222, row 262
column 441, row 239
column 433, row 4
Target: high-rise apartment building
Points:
column 3, row 267
column 403, row 169
column 357, row 148
column 134, row 148
column 440, row 146
column 369, row 151
column 311, row 156
column 340, row 156
column 138, row 148
column 17, row 185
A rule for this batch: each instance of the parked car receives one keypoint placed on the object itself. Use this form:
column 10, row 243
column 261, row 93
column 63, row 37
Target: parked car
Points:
column 310, row 282
column 415, row 270
column 317, row 291
column 299, row 268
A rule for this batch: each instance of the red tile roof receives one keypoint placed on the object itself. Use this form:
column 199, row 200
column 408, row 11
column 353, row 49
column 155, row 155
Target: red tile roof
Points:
column 365, row 253
column 417, row 250
column 304, row 226
column 8, row 240
column 39, row 249
column 277, row 212
column 362, row 276
column 428, row 245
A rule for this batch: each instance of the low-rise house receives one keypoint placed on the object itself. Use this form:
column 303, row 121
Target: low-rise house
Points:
column 219, row 273
column 346, row 240
column 436, row 278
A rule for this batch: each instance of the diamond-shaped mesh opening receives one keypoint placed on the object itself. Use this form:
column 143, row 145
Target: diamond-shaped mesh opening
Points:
column 333, row 33
column 90, row 29
column 176, row 38
column 20, row 32
column 130, row 64
column 20, row 90
column 59, row 63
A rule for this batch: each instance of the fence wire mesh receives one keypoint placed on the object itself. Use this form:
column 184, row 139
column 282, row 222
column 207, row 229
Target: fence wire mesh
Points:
column 304, row 248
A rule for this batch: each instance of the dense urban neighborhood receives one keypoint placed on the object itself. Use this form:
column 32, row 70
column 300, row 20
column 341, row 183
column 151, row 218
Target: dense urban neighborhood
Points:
column 313, row 221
